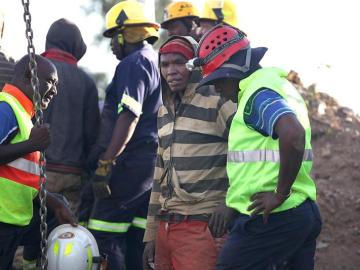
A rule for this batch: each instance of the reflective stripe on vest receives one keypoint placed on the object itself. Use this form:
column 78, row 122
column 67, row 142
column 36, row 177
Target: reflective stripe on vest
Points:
column 25, row 165
column 261, row 155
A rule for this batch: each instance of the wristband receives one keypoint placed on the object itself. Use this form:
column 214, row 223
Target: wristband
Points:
column 282, row 195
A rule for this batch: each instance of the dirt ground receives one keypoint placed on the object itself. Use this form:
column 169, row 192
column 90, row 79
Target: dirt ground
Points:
column 336, row 145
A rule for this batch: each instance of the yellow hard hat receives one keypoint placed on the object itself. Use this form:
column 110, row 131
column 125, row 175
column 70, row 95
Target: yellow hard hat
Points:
column 179, row 10
column 221, row 11
column 126, row 14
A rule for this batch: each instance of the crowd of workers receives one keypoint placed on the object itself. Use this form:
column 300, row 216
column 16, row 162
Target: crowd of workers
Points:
column 200, row 159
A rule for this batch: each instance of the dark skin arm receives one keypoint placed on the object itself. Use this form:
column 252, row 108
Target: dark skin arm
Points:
column 291, row 143
column 61, row 211
column 39, row 140
column 123, row 131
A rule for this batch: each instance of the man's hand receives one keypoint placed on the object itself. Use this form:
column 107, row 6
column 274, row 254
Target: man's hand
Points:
column 62, row 212
column 265, row 202
column 100, row 179
column 148, row 256
column 220, row 219
column 40, row 137
column 64, row 215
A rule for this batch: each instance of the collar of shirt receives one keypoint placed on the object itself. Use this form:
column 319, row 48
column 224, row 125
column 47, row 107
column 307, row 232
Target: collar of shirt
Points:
column 21, row 97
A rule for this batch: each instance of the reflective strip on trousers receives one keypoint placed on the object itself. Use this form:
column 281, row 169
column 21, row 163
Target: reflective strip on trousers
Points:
column 139, row 222
column 100, row 225
column 25, row 165
column 261, row 155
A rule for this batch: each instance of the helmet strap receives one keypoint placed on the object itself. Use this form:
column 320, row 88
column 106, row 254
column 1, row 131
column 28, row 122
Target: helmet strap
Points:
column 219, row 14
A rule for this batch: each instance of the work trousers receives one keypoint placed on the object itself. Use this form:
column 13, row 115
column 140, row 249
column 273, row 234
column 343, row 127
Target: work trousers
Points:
column 11, row 237
column 119, row 232
column 186, row 245
column 67, row 184
column 287, row 241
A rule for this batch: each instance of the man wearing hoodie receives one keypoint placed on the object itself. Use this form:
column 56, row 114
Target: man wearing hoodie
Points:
column 73, row 115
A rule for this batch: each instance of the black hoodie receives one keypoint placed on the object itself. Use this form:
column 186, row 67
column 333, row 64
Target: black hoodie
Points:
column 73, row 114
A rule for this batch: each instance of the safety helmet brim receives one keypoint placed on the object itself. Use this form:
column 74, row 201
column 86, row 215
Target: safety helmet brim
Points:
column 166, row 23
column 239, row 58
column 109, row 33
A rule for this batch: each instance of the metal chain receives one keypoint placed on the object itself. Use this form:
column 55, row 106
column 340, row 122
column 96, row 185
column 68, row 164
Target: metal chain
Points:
column 39, row 121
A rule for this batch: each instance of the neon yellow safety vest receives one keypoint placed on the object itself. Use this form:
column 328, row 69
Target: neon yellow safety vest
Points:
column 253, row 159
column 19, row 179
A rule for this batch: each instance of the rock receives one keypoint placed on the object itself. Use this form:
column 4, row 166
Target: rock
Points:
column 326, row 151
column 321, row 245
column 344, row 112
column 321, row 108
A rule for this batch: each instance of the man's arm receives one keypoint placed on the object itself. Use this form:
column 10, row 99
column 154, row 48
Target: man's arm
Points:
column 39, row 139
column 268, row 113
column 291, row 143
column 62, row 212
column 154, row 207
column 123, row 131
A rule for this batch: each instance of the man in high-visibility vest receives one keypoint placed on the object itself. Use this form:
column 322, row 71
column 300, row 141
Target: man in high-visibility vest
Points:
column 269, row 158
column 20, row 143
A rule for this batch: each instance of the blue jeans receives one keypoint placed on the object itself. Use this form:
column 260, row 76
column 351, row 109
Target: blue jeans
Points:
column 287, row 241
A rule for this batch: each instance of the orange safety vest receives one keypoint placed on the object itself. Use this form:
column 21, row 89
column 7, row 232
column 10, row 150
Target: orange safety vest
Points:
column 19, row 179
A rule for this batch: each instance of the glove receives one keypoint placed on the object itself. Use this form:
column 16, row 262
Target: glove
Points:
column 100, row 180
column 220, row 219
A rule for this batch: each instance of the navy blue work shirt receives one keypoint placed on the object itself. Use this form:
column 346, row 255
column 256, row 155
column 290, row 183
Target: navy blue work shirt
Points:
column 135, row 87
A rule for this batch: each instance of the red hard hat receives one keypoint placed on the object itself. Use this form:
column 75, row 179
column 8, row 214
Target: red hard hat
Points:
column 218, row 45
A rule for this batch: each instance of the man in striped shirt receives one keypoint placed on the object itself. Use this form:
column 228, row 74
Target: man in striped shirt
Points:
column 6, row 63
column 186, row 212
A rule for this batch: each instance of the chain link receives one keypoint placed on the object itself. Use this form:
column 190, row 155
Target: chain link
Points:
column 39, row 121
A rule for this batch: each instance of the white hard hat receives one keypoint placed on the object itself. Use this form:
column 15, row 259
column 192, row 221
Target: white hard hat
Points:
column 72, row 248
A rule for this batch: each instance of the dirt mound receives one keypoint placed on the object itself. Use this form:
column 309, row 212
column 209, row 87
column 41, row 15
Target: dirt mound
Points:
column 336, row 146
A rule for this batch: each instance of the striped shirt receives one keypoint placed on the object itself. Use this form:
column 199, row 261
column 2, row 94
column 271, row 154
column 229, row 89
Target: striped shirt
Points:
column 264, row 109
column 6, row 69
column 190, row 173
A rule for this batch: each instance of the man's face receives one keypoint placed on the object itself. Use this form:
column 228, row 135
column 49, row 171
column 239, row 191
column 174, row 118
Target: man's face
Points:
column 48, row 80
column 228, row 88
column 205, row 25
column 177, row 27
column 173, row 70
column 117, row 43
